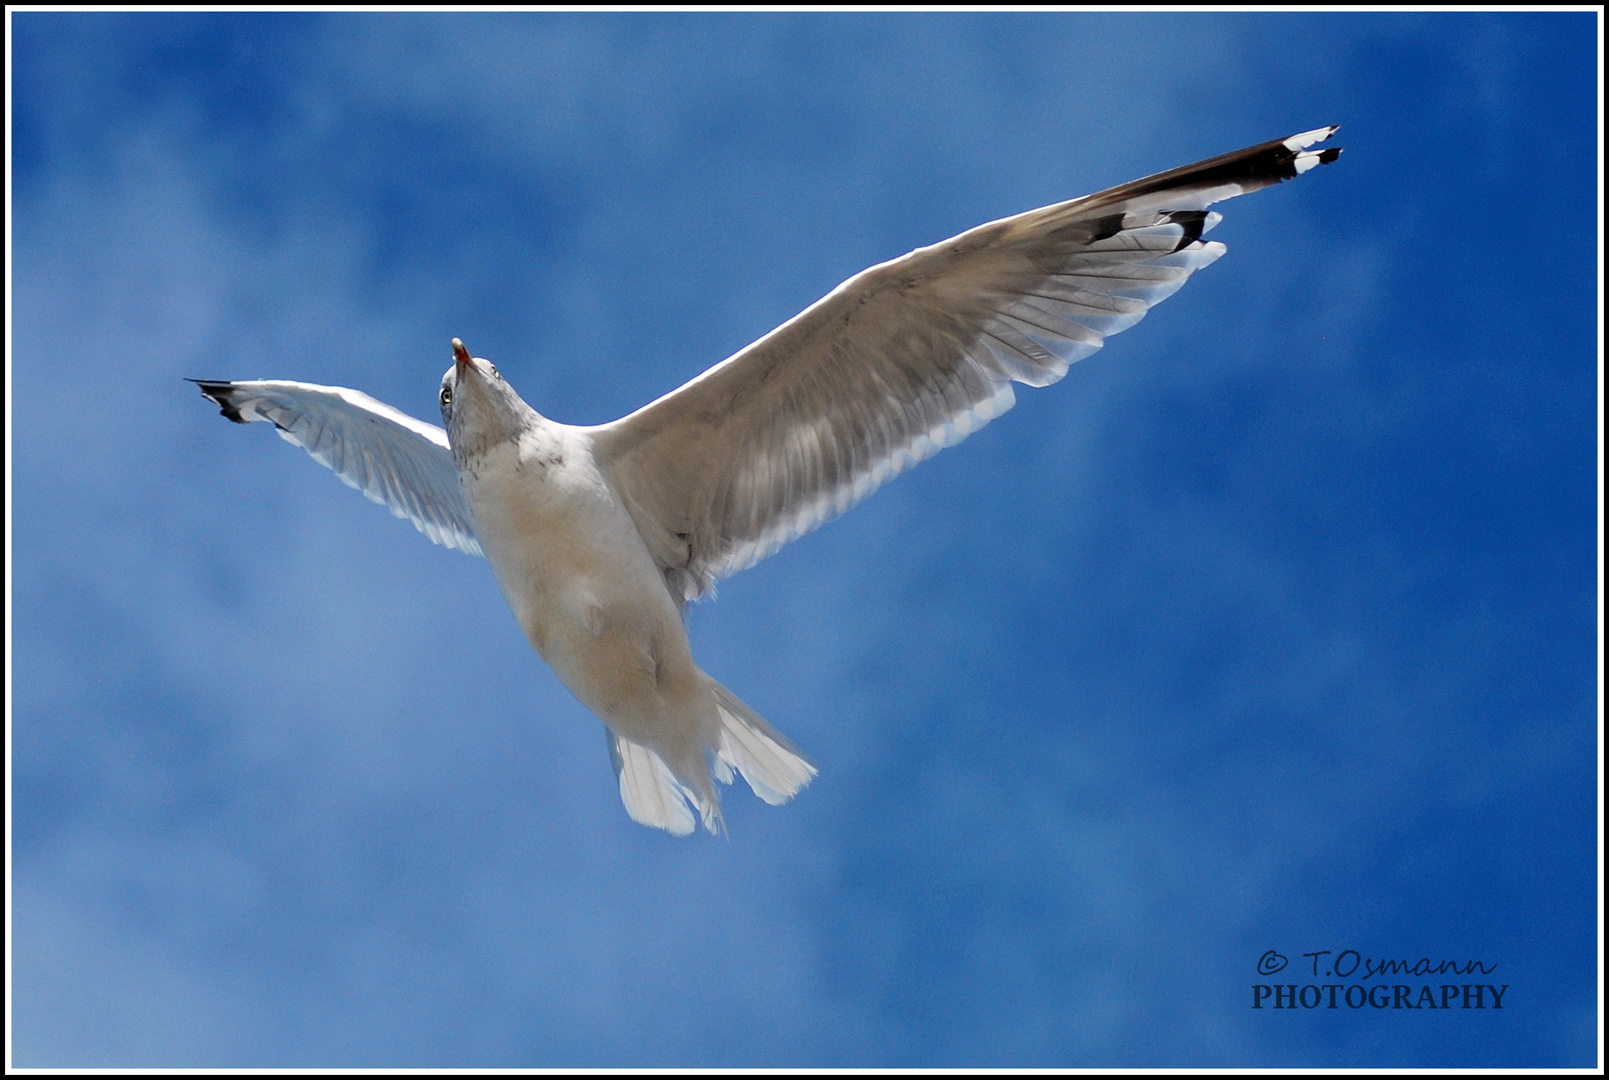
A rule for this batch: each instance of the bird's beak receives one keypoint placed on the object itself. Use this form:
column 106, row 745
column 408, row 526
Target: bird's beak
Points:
column 461, row 355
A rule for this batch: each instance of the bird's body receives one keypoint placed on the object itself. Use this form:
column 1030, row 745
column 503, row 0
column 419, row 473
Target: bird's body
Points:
column 598, row 536
column 574, row 569
column 584, row 588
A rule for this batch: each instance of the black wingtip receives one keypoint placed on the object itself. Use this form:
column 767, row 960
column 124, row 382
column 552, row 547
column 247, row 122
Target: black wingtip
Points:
column 1249, row 170
column 218, row 393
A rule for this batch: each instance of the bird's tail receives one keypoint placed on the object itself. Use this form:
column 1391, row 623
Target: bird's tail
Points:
column 654, row 795
column 772, row 765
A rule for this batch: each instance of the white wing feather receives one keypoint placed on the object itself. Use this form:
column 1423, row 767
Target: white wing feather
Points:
column 908, row 357
column 395, row 460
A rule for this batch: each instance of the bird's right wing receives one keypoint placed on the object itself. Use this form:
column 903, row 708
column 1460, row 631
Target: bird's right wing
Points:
column 395, row 460
column 907, row 357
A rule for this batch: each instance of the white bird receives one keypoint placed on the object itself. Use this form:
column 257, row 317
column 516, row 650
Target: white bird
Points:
column 598, row 536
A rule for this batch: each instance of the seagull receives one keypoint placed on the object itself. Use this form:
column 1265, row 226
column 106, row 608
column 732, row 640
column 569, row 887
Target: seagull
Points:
column 600, row 536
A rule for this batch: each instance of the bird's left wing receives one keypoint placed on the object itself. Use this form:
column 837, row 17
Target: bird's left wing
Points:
column 908, row 357
column 392, row 458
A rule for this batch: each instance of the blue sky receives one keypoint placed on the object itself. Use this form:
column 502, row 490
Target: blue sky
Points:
column 1272, row 626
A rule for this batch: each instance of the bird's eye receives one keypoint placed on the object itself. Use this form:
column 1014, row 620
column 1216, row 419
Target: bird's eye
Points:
column 446, row 396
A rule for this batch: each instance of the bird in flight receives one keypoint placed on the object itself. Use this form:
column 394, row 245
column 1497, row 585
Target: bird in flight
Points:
column 599, row 536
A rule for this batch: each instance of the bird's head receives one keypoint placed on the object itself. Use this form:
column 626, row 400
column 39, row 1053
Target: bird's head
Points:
column 478, row 409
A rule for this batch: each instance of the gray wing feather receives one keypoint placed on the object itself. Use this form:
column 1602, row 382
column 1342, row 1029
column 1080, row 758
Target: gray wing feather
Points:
column 395, row 460
column 909, row 357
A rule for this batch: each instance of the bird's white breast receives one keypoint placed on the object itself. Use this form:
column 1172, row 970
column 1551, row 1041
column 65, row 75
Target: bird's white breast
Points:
column 572, row 566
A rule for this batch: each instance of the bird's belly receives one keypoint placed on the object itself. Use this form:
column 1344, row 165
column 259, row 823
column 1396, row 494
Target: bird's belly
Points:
column 587, row 593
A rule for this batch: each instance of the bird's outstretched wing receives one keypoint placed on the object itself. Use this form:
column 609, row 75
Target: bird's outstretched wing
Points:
column 392, row 458
column 908, row 357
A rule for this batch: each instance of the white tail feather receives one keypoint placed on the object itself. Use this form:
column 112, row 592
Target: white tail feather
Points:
column 773, row 766
column 651, row 792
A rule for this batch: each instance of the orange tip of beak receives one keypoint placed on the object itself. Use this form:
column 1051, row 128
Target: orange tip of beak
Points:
column 460, row 353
